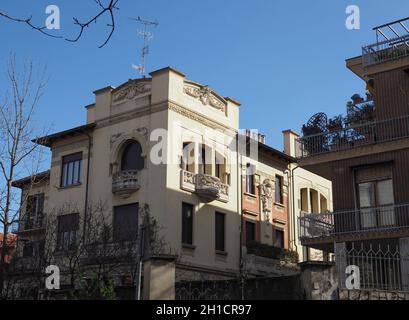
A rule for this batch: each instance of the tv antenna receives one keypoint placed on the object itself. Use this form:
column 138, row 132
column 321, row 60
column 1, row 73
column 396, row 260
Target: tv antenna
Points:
column 147, row 36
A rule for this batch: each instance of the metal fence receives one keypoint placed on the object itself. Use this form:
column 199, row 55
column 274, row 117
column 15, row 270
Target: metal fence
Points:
column 353, row 137
column 260, row 288
column 384, row 51
column 316, row 225
column 379, row 267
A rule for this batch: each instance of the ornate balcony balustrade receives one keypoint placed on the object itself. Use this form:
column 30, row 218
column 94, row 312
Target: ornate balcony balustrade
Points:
column 385, row 218
column 124, row 183
column 207, row 187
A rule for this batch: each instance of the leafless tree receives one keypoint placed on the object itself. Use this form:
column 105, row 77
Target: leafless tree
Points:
column 105, row 8
column 18, row 154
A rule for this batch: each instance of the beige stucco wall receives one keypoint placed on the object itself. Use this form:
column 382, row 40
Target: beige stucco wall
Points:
column 306, row 179
column 160, row 186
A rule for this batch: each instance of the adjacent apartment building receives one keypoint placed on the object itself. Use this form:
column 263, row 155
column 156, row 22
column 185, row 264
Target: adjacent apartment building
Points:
column 365, row 154
column 157, row 172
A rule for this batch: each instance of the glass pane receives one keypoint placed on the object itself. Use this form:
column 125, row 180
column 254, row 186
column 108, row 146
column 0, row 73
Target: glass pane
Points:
column 132, row 157
column 384, row 192
column 70, row 172
column 386, row 216
column 366, row 195
column 368, row 218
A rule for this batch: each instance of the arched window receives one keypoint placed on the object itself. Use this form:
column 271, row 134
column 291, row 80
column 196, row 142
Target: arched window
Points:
column 132, row 157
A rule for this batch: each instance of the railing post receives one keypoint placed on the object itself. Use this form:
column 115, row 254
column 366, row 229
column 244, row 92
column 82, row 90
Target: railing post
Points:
column 404, row 262
column 341, row 262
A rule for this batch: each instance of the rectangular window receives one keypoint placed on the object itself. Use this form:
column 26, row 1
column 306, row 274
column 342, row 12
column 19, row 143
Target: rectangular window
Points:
column 279, row 238
column 126, row 222
column 34, row 211
column 376, row 203
column 279, row 189
column 250, row 232
column 28, row 249
column 188, row 157
column 220, row 231
column 68, row 226
column 250, row 187
column 33, row 249
column 187, row 223
column 71, row 169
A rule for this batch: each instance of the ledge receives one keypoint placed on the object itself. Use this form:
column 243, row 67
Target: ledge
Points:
column 188, row 246
column 278, row 204
column 69, row 186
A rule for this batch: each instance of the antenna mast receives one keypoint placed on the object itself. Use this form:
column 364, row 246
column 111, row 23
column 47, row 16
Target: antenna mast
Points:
column 147, row 36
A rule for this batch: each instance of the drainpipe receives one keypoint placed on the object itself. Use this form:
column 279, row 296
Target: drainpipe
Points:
column 240, row 209
column 86, row 184
column 293, row 207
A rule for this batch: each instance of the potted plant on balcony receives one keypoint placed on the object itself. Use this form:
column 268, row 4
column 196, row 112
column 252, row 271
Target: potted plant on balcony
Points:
column 314, row 138
column 335, row 124
column 360, row 120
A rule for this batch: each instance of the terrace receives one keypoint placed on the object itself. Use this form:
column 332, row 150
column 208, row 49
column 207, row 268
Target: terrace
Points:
column 395, row 43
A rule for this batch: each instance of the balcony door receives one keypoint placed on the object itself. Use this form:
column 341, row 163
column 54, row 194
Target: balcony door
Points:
column 376, row 204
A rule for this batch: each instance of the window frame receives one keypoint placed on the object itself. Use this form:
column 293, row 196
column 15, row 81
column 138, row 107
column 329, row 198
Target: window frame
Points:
column 282, row 232
column 139, row 161
column 278, row 190
column 222, row 246
column 115, row 219
column 67, row 236
column 253, row 224
column 66, row 160
column 35, row 215
column 187, row 235
column 250, row 180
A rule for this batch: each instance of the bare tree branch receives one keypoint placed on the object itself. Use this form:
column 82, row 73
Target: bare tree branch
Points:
column 28, row 21
column 104, row 10
column 109, row 9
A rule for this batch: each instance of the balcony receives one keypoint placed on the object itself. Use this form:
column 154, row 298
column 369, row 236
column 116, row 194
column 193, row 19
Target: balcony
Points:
column 385, row 51
column 207, row 187
column 353, row 136
column 109, row 252
column 124, row 183
column 32, row 224
column 360, row 222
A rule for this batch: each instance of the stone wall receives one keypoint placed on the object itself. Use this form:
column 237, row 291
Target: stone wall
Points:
column 345, row 294
column 319, row 280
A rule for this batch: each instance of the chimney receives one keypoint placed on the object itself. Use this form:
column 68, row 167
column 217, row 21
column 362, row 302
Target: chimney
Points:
column 290, row 137
column 256, row 136
column 262, row 138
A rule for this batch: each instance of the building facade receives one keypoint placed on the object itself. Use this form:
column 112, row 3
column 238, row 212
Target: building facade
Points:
column 365, row 155
column 159, row 159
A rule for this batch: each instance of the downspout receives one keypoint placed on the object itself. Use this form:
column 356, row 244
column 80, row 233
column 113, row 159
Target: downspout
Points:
column 86, row 185
column 293, row 207
column 240, row 209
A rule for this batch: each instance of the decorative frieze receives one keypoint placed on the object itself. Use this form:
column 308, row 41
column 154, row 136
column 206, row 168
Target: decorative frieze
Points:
column 131, row 91
column 207, row 187
column 205, row 95
column 267, row 196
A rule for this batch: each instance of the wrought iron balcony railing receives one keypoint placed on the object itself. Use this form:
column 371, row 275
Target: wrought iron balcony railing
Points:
column 353, row 137
column 385, row 51
column 32, row 223
column 385, row 218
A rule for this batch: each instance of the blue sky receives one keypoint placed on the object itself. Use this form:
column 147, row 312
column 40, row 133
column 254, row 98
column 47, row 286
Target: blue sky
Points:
column 283, row 60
